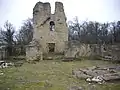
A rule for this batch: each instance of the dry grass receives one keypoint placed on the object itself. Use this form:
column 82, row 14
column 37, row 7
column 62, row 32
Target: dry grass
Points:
column 49, row 75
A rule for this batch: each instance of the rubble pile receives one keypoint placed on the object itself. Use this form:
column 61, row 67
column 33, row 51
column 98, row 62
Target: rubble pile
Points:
column 98, row 74
column 4, row 64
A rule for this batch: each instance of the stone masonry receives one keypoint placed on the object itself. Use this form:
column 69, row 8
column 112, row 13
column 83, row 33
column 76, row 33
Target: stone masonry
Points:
column 50, row 30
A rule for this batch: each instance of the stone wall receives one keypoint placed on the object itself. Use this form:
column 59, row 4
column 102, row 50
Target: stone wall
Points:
column 76, row 49
column 42, row 17
column 33, row 51
column 111, row 52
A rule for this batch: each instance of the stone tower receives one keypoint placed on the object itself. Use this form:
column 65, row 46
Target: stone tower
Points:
column 50, row 30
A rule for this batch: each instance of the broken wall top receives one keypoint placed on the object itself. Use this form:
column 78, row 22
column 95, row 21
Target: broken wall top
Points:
column 40, row 6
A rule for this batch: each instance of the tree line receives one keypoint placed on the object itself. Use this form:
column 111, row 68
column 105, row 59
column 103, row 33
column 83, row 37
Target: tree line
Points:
column 94, row 32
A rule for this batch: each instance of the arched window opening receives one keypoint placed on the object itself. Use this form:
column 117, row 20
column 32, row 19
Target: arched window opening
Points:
column 52, row 26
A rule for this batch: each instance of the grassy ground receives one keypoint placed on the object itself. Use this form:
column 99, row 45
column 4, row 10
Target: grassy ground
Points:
column 50, row 75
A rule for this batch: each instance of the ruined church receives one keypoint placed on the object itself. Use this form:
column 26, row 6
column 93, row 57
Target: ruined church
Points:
column 51, row 36
column 50, row 30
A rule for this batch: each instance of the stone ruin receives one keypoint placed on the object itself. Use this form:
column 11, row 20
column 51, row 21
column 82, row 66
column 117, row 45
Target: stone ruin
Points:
column 51, row 36
column 50, row 30
column 75, row 49
column 98, row 74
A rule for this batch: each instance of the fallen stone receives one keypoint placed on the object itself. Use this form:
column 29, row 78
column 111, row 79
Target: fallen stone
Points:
column 97, row 79
column 111, row 77
column 93, row 68
column 108, row 57
column 98, row 74
column 88, row 80
column 68, row 59
column 1, row 62
column 10, row 64
column 118, row 69
column 5, row 65
column 80, row 74
column 91, row 73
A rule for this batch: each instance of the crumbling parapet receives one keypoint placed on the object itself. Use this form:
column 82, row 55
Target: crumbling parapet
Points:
column 40, row 12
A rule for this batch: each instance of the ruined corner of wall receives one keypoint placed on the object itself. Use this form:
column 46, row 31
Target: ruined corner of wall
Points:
column 33, row 51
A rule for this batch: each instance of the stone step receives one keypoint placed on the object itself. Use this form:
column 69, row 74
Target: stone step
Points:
column 111, row 77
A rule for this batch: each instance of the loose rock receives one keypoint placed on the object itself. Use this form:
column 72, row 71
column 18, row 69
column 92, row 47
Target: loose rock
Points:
column 98, row 74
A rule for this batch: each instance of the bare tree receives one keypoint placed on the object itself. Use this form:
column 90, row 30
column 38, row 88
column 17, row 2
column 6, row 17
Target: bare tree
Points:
column 89, row 32
column 7, row 37
column 25, row 35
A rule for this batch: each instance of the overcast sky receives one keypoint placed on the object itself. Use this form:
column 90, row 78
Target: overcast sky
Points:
column 96, row 10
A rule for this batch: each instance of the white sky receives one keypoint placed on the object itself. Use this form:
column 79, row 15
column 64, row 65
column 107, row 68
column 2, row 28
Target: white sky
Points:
column 96, row 10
